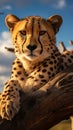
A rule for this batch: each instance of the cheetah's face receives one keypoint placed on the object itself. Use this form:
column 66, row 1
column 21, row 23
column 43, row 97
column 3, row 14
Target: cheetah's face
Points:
column 33, row 36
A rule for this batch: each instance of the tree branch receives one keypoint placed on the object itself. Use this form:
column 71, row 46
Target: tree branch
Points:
column 62, row 46
column 45, row 107
column 9, row 49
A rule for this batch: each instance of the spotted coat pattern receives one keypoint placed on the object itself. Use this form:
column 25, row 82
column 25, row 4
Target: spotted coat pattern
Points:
column 38, row 58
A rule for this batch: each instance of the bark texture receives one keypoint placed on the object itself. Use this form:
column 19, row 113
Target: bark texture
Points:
column 45, row 107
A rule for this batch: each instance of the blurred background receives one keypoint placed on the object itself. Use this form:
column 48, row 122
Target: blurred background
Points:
column 23, row 8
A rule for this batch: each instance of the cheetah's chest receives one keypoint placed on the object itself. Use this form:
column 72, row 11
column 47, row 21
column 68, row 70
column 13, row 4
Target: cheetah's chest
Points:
column 39, row 76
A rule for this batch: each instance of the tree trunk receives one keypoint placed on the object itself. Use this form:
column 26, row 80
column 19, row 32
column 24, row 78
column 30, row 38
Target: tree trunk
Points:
column 45, row 107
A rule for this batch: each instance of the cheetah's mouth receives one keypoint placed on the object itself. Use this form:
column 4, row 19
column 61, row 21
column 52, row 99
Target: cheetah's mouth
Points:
column 32, row 55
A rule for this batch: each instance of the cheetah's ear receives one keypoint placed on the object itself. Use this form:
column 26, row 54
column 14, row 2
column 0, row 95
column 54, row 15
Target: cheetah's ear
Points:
column 56, row 21
column 10, row 21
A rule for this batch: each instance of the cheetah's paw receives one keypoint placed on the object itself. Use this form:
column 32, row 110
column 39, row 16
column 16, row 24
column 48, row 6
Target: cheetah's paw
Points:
column 9, row 108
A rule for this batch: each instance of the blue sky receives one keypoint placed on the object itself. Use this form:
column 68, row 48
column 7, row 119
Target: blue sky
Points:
column 45, row 8
column 23, row 8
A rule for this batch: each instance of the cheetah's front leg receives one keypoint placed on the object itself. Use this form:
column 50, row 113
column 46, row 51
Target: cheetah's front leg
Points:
column 10, row 100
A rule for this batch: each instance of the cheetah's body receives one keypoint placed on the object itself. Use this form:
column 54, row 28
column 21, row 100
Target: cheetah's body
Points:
column 38, row 59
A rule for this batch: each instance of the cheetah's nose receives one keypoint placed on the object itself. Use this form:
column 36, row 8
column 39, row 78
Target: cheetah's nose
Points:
column 31, row 47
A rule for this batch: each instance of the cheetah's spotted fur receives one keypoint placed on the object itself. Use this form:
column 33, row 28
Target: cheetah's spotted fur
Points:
column 38, row 59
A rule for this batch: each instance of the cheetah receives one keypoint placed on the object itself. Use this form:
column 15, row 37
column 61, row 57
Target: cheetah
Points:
column 37, row 61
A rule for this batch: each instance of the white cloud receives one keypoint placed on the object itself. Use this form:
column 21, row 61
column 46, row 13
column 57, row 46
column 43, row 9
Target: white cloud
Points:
column 3, row 80
column 4, row 69
column 5, row 35
column 6, row 58
column 7, row 7
column 60, row 4
column 69, row 47
column 21, row 3
column 5, row 41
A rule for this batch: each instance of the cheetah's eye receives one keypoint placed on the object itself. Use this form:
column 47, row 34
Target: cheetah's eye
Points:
column 42, row 33
column 23, row 32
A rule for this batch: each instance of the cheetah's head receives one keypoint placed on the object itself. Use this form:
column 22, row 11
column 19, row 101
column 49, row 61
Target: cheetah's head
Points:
column 33, row 37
